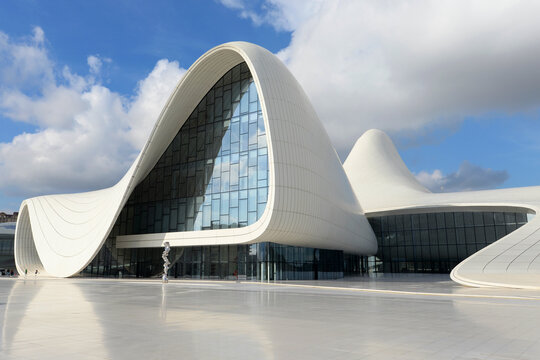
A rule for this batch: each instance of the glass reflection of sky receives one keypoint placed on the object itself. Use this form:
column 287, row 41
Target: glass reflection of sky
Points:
column 214, row 174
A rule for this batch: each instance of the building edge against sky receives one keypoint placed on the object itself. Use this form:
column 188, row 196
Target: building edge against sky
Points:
column 238, row 156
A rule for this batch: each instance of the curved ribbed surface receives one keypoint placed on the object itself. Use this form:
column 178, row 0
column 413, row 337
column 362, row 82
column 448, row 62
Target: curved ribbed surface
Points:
column 57, row 233
column 384, row 185
column 310, row 200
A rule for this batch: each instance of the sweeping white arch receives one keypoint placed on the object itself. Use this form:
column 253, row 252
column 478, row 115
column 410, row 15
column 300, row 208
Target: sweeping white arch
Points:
column 384, row 185
column 310, row 200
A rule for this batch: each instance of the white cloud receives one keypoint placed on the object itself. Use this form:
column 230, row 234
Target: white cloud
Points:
column 291, row 15
column 94, row 63
column 87, row 134
column 151, row 96
column 245, row 10
column 403, row 65
column 25, row 64
column 467, row 177
column 284, row 15
column 39, row 35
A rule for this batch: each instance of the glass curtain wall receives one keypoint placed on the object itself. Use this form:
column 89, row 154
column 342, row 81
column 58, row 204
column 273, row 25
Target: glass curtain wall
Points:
column 436, row 242
column 214, row 174
column 7, row 254
column 263, row 261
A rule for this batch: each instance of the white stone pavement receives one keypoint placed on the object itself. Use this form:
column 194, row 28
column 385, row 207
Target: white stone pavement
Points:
column 400, row 317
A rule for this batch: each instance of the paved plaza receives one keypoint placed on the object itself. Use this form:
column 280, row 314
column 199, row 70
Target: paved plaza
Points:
column 401, row 317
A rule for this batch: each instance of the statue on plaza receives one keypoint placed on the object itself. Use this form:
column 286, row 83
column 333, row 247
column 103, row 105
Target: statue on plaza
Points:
column 166, row 261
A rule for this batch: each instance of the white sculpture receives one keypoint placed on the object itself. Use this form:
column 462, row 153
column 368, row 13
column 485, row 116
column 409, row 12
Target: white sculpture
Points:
column 166, row 261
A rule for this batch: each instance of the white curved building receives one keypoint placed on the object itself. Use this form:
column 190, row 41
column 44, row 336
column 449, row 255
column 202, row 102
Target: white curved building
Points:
column 240, row 177
column 252, row 163
column 509, row 251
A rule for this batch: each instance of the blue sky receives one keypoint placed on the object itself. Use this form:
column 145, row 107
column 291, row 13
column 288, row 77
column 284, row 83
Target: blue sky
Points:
column 455, row 86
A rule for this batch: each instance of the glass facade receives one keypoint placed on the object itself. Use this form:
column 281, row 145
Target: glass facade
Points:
column 262, row 261
column 6, row 251
column 436, row 242
column 214, row 174
column 7, row 242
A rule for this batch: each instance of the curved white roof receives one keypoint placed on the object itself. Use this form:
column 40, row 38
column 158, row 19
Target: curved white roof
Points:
column 377, row 173
column 384, row 185
column 310, row 200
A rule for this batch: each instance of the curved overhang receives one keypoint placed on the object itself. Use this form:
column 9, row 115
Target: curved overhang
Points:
column 310, row 200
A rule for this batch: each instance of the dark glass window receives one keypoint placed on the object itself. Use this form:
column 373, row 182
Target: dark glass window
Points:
column 478, row 219
column 490, row 234
column 416, row 221
column 399, row 223
column 468, row 219
column 460, row 221
column 521, row 218
column 488, row 218
column 432, row 221
column 510, row 218
column 449, row 220
column 440, row 220
column 423, row 221
column 436, row 242
column 407, row 222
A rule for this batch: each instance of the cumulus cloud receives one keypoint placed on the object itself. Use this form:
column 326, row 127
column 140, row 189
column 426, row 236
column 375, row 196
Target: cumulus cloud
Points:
column 467, row 177
column 152, row 93
column 25, row 65
column 94, row 63
column 404, row 66
column 87, row 135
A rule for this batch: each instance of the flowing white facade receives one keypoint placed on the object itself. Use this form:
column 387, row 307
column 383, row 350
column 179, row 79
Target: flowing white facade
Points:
column 384, row 185
column 310, row 200
column 303, row 197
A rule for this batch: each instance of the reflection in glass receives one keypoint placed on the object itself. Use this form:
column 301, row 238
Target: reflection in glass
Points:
column 262, row 261
column 437, row 242
column 220, row 150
